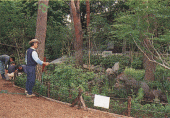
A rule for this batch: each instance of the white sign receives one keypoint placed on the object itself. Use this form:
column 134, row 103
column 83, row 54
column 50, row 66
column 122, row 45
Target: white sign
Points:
column 101, row 101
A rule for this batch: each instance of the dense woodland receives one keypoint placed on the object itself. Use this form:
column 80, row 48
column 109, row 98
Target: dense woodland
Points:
column 138, row 30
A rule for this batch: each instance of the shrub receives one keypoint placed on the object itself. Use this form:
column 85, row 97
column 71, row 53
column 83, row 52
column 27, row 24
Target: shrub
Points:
column 161, row 73
column 137, row 62
column 66, row 79
column 134, row 73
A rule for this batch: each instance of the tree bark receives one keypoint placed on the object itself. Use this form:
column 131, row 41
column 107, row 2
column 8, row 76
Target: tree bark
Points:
column 78, row 32
column 41, row 28
column 149, row 66
column 88, row 22
column 88, row 12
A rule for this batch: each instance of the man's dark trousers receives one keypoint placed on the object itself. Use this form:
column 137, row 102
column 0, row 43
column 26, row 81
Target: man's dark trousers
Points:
column 30, row 78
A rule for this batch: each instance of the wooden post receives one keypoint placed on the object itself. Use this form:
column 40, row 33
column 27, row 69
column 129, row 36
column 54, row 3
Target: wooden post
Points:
column 129, row 105
column 48, row 94
column 80, row 100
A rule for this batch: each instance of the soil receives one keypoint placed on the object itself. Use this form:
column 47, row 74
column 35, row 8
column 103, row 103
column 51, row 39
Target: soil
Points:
column 14, row 104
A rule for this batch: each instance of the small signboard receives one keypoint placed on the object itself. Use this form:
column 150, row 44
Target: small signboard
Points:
column 101, row 101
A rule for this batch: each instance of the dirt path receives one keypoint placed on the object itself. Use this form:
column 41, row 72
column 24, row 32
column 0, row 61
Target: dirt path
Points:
column 14, row 104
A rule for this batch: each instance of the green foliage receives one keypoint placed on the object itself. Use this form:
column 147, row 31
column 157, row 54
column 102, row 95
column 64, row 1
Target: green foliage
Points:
column 21, row 80
column 18, row 24
column 154, row 110
column 17, row 27
column 120, row 93
column 139, row 22
column 134, row 73
column 140, row 94
column 161, row 81
column 118, row 106
column 66, row 80
column 137, row 62
column 109, row 61
column 94, row 59
column 99, row 32
column 161, row 73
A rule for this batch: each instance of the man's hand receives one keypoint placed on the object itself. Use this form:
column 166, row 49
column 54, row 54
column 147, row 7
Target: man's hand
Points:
column 46, row 63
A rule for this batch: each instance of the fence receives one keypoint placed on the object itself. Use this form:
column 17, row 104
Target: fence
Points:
column 122, row 106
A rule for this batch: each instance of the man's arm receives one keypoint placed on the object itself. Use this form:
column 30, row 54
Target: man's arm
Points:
column 36, row 59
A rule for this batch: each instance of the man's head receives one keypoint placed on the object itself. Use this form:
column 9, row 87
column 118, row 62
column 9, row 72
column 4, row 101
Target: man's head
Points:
column 34, row 43
column 19, row 67
column 12, row 59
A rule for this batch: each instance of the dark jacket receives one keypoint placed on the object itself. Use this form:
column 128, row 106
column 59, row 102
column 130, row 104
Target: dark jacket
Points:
column 30, row 60
column 12, row 68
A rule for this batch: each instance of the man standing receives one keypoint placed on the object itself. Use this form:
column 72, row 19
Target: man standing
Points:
column 31, row 61
column 5, row 62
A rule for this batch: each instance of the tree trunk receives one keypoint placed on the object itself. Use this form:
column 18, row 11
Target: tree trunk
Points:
column 41, row 28
column 148, row 65
column 124, row 46
column 88, row 22
column 78, row 32
column 88, row 12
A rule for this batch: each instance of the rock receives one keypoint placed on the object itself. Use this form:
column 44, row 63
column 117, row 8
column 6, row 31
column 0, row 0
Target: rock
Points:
column 113, row 70
column 109, row 71
column 145, row 87
column 115, row 67
column 122, row 81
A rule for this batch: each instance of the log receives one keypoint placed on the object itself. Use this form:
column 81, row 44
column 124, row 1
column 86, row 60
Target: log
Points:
column 79, row 100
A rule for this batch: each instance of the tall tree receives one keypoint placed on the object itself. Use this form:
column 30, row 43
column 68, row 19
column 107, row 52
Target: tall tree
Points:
column 41, row 28
column 88, row 22
column 75, row 7
column 147, row 23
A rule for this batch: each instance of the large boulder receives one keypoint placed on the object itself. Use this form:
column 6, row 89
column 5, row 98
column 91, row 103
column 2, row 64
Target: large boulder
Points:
column 127, row 83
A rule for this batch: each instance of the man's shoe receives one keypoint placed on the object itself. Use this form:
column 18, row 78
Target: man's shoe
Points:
column 26, row 92
column 29, row 96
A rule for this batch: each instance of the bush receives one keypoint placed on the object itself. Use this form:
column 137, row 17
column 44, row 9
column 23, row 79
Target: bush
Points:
column 134, row 73
column 94, row 59
column 137, row 62
column 161, row 80
column 161, row 73
column 66, row 79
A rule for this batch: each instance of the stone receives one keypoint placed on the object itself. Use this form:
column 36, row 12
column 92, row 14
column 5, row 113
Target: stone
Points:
column 109, row 71
column 115, row 67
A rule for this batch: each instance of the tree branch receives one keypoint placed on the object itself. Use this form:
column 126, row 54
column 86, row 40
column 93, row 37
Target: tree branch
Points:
column 10, row 45
column 152, row 60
